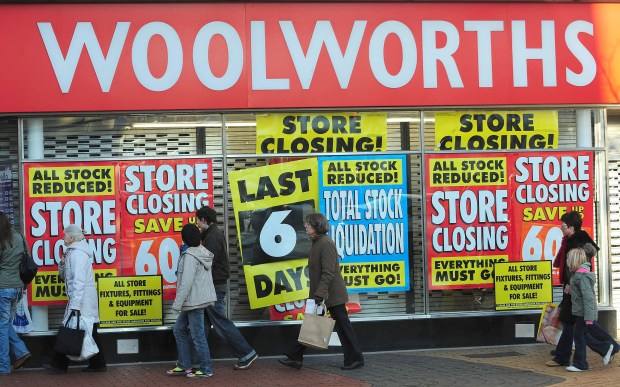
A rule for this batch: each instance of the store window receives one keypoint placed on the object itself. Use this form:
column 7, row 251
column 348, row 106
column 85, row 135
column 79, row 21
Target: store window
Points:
column 497, row 183
column 234, row 148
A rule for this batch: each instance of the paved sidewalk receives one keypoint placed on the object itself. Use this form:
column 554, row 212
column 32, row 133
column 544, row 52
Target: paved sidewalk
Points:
column 516, row 365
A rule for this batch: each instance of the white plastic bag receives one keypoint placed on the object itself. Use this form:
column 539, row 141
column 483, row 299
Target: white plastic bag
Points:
column 89, row 347
column 22, row 321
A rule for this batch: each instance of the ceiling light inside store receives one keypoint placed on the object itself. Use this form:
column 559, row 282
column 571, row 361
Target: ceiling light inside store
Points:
column 174, row 125
column 156, row 125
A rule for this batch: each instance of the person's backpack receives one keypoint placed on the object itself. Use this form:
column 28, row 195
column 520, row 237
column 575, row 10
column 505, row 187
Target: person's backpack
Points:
column 27, row 268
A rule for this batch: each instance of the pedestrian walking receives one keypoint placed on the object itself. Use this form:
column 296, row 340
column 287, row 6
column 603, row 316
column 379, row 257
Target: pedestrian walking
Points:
column 574, row 237
column 213, row 239
column 195, row 292
column 584, row 309
column 11, row 292
column 76, row 269
column 327, row 285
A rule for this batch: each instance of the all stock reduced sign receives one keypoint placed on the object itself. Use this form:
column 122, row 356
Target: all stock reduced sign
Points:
column 500, row 207
column 131, row 212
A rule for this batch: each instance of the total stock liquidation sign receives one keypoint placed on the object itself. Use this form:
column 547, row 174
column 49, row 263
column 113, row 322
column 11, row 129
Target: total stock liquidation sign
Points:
column 131, row 212
column 500, row 208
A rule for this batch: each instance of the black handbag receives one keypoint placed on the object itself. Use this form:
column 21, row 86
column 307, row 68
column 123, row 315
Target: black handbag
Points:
column 69, row 340
column 27, row 268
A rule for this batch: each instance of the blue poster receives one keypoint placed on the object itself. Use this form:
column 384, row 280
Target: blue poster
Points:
column 365, row 201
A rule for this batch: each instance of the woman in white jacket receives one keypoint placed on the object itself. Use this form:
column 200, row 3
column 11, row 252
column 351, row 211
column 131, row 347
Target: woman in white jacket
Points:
column 76, row 269
column 195, row 291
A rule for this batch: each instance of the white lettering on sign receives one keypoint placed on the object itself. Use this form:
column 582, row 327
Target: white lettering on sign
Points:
column 440, row 42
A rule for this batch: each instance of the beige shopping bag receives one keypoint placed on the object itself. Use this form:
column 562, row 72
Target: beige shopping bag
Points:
column 316, row 330
column 550, row 328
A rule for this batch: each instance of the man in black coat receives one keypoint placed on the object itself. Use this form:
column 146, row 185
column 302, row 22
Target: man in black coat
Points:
column 215, row 241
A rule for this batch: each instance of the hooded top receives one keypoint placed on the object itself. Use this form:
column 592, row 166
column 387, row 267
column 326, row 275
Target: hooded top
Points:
column 582, row 292
column 79, row 278
column 195, row 288
column 578, row 239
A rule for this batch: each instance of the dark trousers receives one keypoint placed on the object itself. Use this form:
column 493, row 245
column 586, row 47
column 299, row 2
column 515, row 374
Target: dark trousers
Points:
column 579, row 335
column 346, row 334
column 61, row 361
column 596, row 334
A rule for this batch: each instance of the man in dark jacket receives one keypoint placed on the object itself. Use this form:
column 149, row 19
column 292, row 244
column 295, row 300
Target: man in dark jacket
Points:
column 213, row 239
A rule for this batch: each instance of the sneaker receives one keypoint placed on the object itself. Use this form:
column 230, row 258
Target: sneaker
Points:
column 607, row 358
column 199, row 374
column 574, row 369
column 244, row 365
column 178, row 371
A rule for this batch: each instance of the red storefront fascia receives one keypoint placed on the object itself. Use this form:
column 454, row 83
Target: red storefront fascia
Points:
column 139, row 57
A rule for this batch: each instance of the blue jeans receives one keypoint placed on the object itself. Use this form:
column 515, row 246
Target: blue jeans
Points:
column 18, row 348
column 192, row 320
column 231, row 336
column 9, row 297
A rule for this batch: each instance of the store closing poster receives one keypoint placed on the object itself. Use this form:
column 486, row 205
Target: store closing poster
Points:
column 131, row 212
column 495, row 207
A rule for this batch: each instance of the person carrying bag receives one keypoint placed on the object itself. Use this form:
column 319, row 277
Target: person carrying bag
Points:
column 76, row 269
column 11, row 291
column 327, row 285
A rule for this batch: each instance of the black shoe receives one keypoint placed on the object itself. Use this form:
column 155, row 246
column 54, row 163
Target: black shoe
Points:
column 53, row 369
column 100, row 369
column 290, row 362
column 352, row 366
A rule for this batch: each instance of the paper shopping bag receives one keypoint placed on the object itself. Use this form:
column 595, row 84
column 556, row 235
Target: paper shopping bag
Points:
column 550, row 328
column 316, row 331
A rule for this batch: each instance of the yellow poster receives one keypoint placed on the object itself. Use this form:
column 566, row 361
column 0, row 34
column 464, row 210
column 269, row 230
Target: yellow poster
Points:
column 130, row 301
column 72, row 181
column 495, row 130
column 321, row 132
column 270, row 205
column 467, row 171
column 464, row 271
column 523, row 285
column 47, row 286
